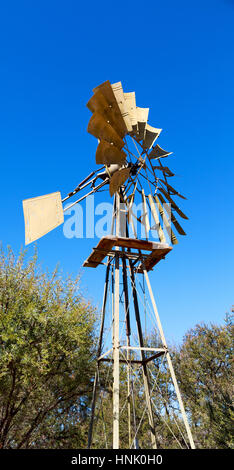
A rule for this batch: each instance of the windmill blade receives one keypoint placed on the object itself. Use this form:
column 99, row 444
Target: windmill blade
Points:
column 173, row 204
column 41, row 215
column 100, row 129
column 166, row 222
column 118, row 178
column 170, row 213
column 106, row 89
column 130, row 102
column 159, row 229
column 142, row 118
column 165, row 170
column 151, row 134
column 119, row 96
column 107, row 154
column 145, row 217
column 158, row 152
column 172, row 189
column 99, row 104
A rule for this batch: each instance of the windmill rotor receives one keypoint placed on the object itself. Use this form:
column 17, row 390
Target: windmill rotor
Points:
column 123, row 117
column 128, row 156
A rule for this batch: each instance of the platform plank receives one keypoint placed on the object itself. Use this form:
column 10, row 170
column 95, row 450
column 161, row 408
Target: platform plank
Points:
column 96, row 257
column 153, row 259
column 157, row 251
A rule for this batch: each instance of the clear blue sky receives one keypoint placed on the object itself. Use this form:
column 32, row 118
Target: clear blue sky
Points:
column 178, row 57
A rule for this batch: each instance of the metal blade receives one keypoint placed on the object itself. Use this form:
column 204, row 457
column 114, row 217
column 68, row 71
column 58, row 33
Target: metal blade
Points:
column 41, row 215
column 172, row 189
column 151, row 134
column 159, row 229
column 166, row 222
column 142, row 118
column 173, row 204
column 102, row 130
column 130, row 102
column 119, row 96
column 158, row 152
column 118, row 178
column 165, row 170
column 107, row 91
column 107, row 154
column 98, row 103
column 173, row 219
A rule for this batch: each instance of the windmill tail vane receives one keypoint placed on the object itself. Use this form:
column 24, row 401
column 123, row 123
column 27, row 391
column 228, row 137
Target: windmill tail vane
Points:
column 130, row 159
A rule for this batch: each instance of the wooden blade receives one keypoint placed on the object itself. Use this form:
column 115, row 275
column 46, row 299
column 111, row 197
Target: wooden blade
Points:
column 172, row 189
column 166, row 222
column 173, row 219
column 158, row 152
column 118, row 178
column 159, row 229
column 102, row 130
column 173, row 204
column 106, row 154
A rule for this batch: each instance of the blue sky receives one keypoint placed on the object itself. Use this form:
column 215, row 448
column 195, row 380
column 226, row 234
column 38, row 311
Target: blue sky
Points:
column 178, row 57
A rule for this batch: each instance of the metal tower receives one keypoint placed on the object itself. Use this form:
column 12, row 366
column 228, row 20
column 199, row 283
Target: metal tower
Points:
column 128, row 258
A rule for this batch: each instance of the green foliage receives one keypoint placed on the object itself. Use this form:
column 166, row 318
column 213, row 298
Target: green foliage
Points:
column 204, row 370
column 47, row 364
column 46, row 357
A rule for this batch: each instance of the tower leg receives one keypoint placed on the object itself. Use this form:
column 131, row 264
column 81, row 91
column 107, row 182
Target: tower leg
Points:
column 144, row 366
column 116, row 360
column 177, row 390
column 90, row 435
column 128, row 333
column 116, row 337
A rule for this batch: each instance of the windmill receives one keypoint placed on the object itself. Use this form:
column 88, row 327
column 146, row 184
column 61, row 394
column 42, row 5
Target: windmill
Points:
column 132, row 169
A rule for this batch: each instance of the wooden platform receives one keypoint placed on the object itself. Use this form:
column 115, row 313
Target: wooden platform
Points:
column 135, row 250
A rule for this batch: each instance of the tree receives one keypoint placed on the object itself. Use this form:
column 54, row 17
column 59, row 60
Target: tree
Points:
column 46, row 357
column 203, row 368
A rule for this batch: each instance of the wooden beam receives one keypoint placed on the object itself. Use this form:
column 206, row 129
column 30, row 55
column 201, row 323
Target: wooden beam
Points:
column 106, row 244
